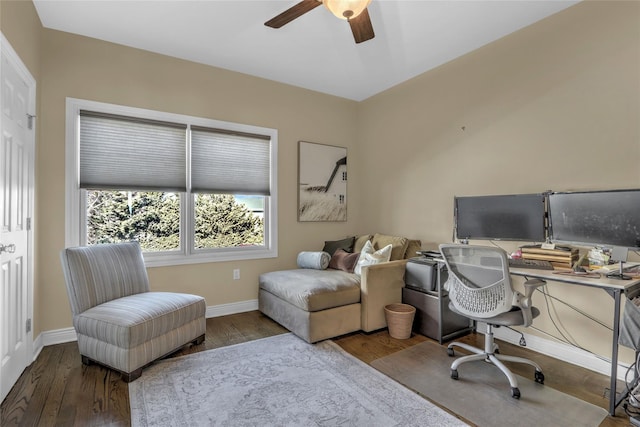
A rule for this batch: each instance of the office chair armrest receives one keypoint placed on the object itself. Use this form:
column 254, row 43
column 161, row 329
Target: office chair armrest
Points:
column 530, row 286
column 524, row 301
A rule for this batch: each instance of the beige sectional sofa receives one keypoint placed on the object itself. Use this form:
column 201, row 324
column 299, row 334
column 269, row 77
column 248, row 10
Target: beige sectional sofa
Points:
column 317, row 304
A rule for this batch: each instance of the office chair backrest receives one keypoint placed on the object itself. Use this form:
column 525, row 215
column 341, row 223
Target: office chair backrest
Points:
column 479, row 284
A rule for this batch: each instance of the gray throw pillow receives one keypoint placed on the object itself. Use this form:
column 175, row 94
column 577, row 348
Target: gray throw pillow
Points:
column 345, row 244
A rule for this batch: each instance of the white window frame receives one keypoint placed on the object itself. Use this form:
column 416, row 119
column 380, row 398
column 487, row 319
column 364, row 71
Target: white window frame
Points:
column 75, row 213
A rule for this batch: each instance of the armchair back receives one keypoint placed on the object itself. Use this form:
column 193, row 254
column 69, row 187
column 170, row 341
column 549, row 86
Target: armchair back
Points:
column 101, row 273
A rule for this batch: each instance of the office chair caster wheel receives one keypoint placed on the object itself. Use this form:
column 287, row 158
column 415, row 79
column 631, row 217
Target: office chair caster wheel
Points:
column 539, row 377
column 515, row 392
column 454, row 374
column 450, row 352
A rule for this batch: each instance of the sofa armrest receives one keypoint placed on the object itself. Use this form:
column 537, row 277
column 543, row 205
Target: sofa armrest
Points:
column 380, row 285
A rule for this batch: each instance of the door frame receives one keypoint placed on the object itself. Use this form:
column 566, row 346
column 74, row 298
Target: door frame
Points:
column 13, row 58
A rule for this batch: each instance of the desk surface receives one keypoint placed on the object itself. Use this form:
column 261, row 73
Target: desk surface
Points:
column 603, row 281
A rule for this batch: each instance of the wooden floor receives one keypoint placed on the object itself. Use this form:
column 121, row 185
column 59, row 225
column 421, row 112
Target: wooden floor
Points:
column 57, row 390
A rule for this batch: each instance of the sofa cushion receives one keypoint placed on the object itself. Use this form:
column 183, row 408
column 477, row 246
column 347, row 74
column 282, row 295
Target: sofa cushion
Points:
column 130, row 321
column 345, row 244
column 398, row 245
column 313, row 290
column 369, row 256
column 360, row 242
column 412, row 248
column 344, row 261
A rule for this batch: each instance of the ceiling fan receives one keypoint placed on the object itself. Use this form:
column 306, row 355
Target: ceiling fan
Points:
column 354, row 11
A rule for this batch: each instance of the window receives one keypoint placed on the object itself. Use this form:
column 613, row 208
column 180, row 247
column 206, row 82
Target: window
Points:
column 188, row 189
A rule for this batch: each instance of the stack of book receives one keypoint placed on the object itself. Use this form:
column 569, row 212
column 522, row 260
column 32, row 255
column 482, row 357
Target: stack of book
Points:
column 560, row 258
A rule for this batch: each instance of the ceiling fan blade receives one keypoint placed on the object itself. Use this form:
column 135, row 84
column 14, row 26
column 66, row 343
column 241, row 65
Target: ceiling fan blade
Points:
column 361, row 27
column 292, row 13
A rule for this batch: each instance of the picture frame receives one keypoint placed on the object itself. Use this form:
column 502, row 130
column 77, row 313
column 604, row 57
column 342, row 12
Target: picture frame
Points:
column 322, row 182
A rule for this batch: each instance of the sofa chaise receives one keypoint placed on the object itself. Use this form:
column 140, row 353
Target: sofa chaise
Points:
column 318, row 304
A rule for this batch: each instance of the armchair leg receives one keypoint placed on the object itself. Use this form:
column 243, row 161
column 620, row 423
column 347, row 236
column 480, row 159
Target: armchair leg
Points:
column 132, row 376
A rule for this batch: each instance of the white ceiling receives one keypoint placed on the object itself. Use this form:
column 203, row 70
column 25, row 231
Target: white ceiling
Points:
column 315, row 51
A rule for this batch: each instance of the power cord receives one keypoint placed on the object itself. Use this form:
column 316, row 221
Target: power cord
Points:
column 522, row 341
column 631, row 405
column 633, row 386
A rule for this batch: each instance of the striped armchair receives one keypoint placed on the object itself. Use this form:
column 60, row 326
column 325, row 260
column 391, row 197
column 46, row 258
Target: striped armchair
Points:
column 119, row 322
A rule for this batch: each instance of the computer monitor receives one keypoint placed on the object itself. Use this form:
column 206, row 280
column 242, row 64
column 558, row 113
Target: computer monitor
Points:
column 597, row 218
column 518, row 217
column 608, row 219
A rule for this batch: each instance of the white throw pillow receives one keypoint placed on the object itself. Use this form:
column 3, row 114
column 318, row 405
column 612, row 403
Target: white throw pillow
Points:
column 369, row 256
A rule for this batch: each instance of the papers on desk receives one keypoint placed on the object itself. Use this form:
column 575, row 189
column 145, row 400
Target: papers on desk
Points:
column 632, row 270
column 606, row 269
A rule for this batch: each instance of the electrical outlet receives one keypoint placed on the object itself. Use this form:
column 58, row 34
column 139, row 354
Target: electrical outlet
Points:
column 236, row 274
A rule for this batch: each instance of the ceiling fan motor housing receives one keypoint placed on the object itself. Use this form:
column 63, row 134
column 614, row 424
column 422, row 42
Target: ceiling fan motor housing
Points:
column 346, row 9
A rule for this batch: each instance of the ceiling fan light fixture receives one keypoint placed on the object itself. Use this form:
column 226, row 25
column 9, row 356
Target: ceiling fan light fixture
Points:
column 346, row 9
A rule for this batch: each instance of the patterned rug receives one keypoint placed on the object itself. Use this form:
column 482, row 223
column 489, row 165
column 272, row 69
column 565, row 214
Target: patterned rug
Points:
column 276, row 381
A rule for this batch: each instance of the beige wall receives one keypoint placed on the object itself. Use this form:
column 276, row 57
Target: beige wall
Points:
column 85, row 68
column 555, row 106
column 20, row 24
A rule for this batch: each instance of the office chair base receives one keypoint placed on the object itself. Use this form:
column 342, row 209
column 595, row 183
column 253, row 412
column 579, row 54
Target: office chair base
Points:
column 491, row 355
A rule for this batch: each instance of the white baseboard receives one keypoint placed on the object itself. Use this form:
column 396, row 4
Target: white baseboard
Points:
column 558, row 350
column 60, row 336
column 37, row 347
column 232, row 308
column 57, row 336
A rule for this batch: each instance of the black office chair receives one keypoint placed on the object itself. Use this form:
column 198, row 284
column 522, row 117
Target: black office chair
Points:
column 479, row 287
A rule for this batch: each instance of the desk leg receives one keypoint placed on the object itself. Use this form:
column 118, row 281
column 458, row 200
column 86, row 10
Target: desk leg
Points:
column 440, row 308
column 614, row 353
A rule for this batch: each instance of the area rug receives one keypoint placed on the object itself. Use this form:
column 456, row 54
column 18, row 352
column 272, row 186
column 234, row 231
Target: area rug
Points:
column 276, row 381
column 482, row 395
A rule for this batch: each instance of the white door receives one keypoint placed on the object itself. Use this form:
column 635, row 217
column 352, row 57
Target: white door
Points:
column 17, row 96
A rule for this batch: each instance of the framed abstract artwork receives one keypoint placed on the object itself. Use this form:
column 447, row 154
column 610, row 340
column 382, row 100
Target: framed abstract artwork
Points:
column 322, row 182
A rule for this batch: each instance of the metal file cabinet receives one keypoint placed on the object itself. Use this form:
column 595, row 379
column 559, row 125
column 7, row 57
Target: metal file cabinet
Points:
column 424, row 279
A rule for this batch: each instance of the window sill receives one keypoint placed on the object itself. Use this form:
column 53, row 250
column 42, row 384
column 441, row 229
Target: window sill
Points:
column 166, row 259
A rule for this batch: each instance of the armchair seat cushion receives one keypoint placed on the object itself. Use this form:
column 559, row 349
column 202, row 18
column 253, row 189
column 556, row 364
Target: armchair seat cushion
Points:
column 313, row 290
column 133, row 320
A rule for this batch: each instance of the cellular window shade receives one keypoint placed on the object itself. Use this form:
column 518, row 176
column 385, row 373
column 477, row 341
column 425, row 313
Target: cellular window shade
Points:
column 124, row 153
column 230, row 162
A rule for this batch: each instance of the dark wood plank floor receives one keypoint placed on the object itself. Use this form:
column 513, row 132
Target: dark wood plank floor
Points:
column 57, row 390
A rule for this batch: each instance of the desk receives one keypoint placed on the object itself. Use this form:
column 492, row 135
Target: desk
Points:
column 613, row 287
